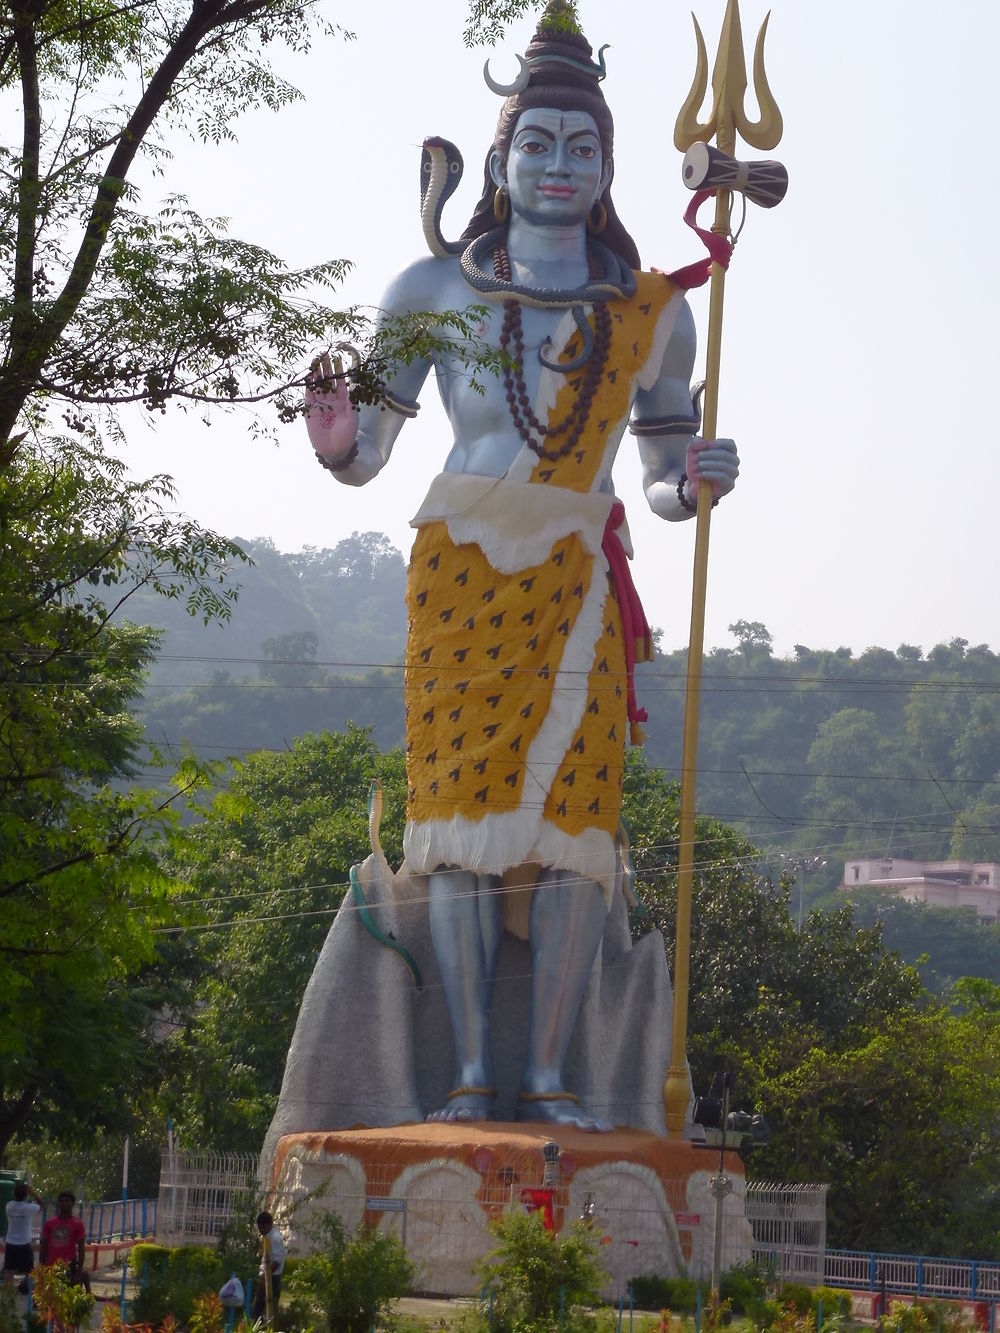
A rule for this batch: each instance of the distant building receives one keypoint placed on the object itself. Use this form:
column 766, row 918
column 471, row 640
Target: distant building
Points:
column 973, row 884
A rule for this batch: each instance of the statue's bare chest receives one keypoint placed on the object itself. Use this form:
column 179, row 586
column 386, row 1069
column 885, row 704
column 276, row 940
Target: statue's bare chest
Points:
column 532, row 338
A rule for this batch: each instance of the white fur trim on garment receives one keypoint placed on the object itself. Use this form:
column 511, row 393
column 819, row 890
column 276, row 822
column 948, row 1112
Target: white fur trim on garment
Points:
column 515, row 524
column 497, row 841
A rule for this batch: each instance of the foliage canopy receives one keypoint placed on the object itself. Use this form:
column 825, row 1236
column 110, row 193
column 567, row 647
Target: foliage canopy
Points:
column 103, row 304
column 81, row 885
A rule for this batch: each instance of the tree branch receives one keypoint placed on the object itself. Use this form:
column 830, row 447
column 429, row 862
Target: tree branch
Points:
column 22, row 323
column 35, row 344
column 114, row 845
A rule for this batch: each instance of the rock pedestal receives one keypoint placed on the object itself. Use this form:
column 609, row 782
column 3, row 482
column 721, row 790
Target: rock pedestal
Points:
column 373, row 1044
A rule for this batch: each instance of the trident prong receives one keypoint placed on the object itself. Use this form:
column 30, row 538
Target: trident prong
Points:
column 729, row 85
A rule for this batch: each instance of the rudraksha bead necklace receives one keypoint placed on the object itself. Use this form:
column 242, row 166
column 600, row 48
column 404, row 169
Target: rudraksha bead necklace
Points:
column 523, row 417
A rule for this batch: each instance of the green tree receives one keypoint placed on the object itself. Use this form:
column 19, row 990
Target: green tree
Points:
column 903, row 1121
column 80, row 887
column 976, row 836
column 267, row 869
column 753, row 976
column 289, row 658
column 102, row 305
column 537, row 1277
column 944, row 944
column 347, row 1285
column 752, row 636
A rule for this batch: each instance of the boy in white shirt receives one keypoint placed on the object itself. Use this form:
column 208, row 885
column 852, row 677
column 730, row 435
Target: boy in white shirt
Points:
column 22, row 1216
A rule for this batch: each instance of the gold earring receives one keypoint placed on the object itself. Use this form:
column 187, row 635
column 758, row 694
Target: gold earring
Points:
column 501, row 205
column 596, row 225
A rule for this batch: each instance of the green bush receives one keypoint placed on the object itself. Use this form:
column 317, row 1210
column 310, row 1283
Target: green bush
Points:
column 680, row 1294
column 903, row 1318
column 348, row 1284
column 10, row 1319
column 743, row 1286
column 171, row 1280
column 539, row 1280
column 948, row 1316
column 764, row 1313
column 836, row 1303
column 798, row 1297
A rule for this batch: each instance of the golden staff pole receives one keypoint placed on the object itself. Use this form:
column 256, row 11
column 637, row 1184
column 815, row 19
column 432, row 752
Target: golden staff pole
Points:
column 726, row 119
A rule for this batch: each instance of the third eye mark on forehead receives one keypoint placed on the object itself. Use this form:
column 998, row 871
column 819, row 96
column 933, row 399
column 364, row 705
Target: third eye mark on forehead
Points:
column 540, row 129
column 572, row 121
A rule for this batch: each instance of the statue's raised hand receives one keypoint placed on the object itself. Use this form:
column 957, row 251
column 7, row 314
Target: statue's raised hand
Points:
column 331, row 418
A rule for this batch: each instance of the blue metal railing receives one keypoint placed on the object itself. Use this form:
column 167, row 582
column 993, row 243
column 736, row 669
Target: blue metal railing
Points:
column 914, row 1275
column 117, row 1219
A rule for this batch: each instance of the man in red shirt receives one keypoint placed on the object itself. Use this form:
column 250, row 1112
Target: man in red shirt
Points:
column 62, row 1240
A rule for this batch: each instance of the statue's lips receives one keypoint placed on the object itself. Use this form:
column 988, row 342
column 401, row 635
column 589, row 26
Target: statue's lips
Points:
column 557, row 191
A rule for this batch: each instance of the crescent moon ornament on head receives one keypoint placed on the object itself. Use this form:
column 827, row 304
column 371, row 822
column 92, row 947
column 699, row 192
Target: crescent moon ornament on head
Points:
column 508, row 89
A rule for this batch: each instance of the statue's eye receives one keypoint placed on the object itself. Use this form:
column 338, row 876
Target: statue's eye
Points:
column 585, row 150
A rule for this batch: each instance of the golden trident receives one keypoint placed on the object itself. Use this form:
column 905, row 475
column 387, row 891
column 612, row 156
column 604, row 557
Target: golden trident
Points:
column 726, row 120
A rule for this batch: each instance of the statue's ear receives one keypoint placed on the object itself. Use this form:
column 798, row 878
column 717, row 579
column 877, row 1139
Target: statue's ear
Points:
column 497, row 171
column 607, row 174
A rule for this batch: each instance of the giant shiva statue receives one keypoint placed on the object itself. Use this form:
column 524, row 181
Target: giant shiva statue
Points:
column 523, row 623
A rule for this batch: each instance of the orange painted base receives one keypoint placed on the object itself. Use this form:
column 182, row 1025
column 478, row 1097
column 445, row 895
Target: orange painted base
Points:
column 491, row 1146
column 386, row 1164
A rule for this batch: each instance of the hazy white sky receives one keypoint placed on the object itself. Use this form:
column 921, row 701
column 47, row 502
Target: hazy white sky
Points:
column 860, row 318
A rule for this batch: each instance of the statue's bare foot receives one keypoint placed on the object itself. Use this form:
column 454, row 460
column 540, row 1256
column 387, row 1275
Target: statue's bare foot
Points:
column 464, row 1104
column 560, row 1108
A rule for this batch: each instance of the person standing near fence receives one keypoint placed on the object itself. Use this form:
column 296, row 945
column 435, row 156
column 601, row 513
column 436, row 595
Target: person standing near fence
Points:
column 22, row 1213
column 63, row 1238
column 273, row 1262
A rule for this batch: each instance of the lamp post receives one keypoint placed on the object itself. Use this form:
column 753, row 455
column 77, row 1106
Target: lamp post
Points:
column 736, row 1130
column 721, row 1186
column 712, row 1113
column 800, row 865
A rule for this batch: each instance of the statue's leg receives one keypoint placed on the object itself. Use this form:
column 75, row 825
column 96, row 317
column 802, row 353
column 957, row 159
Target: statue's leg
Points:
column 466, row 925
column 567, row 924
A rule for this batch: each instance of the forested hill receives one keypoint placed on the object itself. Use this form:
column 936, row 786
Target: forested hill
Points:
column 316, row 639
column 824, row 753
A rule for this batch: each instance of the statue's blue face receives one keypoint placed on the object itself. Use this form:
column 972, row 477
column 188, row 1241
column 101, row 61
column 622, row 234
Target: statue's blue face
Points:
column 555, row 169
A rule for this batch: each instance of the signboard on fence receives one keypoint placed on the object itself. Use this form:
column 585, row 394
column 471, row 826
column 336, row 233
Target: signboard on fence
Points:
column 376, row 1204
column 687, row 1220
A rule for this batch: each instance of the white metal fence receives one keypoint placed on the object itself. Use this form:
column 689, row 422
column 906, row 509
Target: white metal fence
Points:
column 789, row 1229
column 201, row 1192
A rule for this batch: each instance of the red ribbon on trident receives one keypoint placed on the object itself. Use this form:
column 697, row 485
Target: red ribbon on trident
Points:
column 720, row 248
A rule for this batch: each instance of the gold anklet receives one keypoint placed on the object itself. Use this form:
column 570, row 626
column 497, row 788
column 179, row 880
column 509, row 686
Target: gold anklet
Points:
column 470, row 1092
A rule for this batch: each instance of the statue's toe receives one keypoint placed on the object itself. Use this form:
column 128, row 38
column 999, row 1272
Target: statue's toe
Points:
column 466, row 1104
